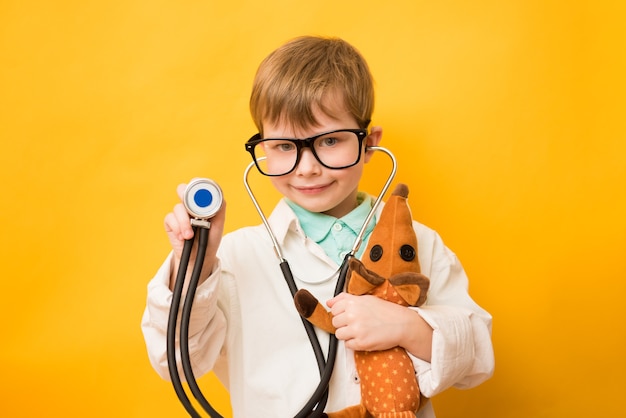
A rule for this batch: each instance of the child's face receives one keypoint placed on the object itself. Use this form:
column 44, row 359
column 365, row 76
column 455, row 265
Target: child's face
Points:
column 313, row 186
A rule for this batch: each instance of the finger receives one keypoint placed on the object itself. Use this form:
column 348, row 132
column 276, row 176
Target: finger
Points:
column 220, row 215
column 344, row 334
column 339, row 308
column 352, row 344
column 332, row 302
column 183, row 221
column 180, row 190
column 171, row 227
column 340, row 321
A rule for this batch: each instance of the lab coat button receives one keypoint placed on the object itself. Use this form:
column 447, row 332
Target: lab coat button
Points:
column 355, row 378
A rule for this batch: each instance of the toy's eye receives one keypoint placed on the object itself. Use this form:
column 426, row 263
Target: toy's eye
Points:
column 407, row 252
column 376, row 252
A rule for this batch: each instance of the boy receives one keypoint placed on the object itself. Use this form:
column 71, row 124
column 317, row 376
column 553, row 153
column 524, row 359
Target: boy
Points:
column 244, row 325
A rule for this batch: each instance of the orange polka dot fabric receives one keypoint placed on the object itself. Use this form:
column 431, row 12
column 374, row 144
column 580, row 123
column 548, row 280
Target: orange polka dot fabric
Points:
column 389, row 388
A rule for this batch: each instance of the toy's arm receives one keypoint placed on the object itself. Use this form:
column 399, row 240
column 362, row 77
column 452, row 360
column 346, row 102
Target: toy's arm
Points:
column 311, row 309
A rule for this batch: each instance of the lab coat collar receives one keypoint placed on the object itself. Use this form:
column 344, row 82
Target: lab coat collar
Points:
column 282, row 219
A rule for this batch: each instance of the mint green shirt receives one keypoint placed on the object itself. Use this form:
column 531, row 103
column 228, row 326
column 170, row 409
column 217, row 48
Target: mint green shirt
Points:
column 337, row 236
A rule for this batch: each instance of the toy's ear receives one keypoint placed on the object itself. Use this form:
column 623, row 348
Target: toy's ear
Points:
column 361, row 281
column 411, row 287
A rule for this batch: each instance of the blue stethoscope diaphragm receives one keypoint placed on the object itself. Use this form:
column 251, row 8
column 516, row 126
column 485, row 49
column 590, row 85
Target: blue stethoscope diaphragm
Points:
column 202, row 198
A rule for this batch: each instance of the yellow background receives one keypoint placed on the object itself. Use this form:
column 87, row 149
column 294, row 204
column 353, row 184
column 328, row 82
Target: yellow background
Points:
column 507, row 118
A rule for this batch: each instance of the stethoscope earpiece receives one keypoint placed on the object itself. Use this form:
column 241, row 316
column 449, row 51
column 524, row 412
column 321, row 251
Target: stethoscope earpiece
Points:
column 202, row 198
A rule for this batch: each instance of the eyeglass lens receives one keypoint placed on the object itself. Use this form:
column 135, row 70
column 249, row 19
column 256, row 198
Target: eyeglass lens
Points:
column 334, row 150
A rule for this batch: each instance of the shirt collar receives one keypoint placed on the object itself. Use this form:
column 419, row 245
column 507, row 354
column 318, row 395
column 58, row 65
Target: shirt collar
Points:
column 318, row 225
column 283, row 218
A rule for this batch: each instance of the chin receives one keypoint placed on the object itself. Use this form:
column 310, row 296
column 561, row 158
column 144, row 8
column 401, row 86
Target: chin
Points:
column 313, row 205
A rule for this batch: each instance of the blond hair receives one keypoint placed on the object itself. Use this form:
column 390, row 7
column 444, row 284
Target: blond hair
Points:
column 297, row 77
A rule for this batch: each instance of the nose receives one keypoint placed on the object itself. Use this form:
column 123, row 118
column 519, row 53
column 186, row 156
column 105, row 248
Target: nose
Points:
column 308, row 164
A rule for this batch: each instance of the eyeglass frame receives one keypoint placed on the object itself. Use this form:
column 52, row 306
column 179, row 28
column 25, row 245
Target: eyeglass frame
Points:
column 300, row 144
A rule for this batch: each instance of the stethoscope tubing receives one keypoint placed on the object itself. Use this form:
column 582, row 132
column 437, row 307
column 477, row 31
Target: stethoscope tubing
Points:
column 316, row 404
column 203, row 235
column 171, row 333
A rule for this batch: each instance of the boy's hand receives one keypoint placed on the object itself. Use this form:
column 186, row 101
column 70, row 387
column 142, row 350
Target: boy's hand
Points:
column 178, row 229
column 368, row 323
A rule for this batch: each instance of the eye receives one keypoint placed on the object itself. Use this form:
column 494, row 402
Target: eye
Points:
column 328, row 141
column 277, row 145
column 407, row 252
column 376, row 252
column 285, row 146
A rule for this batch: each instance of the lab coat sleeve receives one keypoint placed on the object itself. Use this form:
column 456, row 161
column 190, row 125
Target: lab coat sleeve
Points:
column 207, row 325
column 462, row 352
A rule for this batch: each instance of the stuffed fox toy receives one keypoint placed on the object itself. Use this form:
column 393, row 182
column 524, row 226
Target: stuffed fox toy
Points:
column 390, row 270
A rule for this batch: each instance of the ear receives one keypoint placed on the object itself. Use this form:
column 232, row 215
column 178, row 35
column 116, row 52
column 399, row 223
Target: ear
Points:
column 361, row 281
column 411, row 287
column 372, row 140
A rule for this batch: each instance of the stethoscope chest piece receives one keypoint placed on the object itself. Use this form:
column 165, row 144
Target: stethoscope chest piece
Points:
column 202, row 198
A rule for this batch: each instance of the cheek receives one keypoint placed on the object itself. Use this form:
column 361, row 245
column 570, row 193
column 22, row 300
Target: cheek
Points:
column 281, row 185
column 353, row 174
column 276, row 182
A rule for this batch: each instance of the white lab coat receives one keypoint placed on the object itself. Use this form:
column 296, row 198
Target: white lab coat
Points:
column 245, row 328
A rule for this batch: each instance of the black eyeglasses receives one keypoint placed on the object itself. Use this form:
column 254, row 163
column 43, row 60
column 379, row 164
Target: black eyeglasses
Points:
column 279, row 156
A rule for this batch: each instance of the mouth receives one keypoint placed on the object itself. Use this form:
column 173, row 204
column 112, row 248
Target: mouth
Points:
column 314, row 189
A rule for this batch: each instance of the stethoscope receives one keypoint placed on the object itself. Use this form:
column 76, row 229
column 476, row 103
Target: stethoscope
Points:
column 202, row 199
